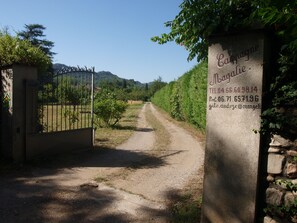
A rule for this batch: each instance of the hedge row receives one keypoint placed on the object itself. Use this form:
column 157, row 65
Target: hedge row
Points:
column 185, row 99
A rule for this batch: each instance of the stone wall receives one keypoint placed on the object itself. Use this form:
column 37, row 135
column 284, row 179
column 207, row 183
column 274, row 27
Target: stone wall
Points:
column 53, row 143
column 281, row 195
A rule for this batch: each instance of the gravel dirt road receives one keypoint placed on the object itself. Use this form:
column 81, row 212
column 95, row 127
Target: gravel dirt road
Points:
column 132, row 183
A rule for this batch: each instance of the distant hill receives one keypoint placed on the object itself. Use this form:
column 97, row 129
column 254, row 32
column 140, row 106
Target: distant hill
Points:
column 104, row 76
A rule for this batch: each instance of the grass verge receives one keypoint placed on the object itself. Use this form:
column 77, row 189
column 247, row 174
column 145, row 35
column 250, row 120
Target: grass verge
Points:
column 162, row 135
column 185, row 205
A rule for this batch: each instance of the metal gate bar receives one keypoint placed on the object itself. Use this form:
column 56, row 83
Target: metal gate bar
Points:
column 66, row 100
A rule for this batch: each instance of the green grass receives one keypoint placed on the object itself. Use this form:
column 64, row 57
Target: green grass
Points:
column 186, row 209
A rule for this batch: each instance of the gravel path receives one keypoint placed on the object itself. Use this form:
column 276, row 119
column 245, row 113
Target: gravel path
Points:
column 135, row 181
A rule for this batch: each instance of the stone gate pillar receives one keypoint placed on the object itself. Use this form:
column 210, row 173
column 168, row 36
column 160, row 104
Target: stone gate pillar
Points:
column 236, row 71
column 13, row 127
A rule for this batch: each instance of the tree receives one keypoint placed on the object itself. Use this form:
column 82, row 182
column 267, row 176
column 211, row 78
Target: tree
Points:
column 34, row 34
column 199, row 19
column 124, row 83
column 156, row 85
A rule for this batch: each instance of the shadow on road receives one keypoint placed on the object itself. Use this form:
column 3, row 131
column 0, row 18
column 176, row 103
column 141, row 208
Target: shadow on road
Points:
column 25, row 199
column 134, row 128
column 32, row 201
column 100, row 157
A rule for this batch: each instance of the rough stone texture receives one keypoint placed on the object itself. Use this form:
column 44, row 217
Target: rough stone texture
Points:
column 289, row 198
column 274, row 149
column 270, row 178
column 281, row 152
column 280, row 141
column 274, row 196
column 292, row 170
column 275, row 163
column 294, row 219
column 292, row 153
column 274, row 143
column 268, row 219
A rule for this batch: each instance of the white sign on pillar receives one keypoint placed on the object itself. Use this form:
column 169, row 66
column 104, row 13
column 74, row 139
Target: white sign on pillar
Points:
column 234, row 105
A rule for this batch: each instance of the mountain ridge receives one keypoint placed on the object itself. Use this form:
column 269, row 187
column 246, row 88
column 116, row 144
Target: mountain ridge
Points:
column 102, row 76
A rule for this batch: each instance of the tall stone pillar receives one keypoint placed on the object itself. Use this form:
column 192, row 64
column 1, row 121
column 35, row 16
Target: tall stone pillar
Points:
column 236, row 68
column 13, row 128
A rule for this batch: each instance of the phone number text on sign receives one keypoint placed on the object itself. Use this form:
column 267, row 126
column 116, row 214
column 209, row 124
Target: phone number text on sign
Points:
column 236, row 98
column 231, row 90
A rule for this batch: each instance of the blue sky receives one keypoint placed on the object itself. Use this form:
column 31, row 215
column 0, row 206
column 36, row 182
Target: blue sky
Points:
column 111, row 35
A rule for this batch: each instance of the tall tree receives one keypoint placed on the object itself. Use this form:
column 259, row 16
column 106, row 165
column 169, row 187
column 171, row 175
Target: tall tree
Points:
column 34, row 33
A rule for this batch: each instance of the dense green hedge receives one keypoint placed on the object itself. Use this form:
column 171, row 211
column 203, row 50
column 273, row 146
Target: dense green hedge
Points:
column 185, row 99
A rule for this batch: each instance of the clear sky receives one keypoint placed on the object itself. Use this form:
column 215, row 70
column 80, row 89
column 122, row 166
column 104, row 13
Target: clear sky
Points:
column 111, row 35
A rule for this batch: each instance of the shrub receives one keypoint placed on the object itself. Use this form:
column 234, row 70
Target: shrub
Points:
column 108, row 109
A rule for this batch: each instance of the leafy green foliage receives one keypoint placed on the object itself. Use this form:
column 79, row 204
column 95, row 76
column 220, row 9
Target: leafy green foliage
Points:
column 175, row 103
column 162, row 98
column 108, row 109
column 67, row 91
column 14, row 50
column 185, row 99
column 156, row 85
column 288, row 184
column 47, row 94
column 281, row 16
column 199, row 19
column 129, row 89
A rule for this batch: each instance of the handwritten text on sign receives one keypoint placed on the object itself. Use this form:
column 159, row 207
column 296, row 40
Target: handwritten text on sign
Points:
column 238, row 96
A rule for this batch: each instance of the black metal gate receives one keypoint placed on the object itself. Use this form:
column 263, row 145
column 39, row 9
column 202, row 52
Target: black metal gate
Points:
column 65, row 100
